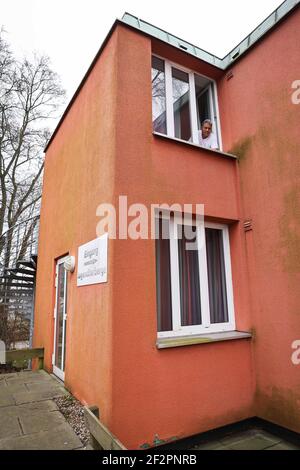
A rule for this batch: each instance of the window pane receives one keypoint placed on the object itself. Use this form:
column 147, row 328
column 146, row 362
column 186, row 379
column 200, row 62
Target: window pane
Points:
column 158, row 96
column 189, row 281
column 203, row 107
column 181, row 104
column 216, row 276
column 202, row 99
column 163, row 276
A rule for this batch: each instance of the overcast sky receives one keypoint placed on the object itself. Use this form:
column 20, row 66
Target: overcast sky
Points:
column 70, row 32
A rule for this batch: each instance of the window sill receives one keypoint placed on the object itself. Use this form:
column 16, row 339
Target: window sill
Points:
column 174, row 342
column 184, row 142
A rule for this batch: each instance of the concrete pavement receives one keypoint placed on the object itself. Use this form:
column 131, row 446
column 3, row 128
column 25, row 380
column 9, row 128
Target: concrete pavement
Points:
column 29, row 418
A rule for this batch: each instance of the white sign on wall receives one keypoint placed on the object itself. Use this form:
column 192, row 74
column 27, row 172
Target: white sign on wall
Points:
column 92, row 262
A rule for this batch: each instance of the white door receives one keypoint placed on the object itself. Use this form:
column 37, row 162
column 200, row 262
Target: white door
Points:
column 60, row 322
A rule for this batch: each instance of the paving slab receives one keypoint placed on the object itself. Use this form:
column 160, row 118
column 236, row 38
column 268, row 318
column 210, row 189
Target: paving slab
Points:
column 9, row 426
column 42, row 386
column 213, row 445
column 259, row 441
column 284, row 446
column 29, row 397
column 27, row 378
column 14, row 388
column 29, row 418
column 250, row 434
column 40, row 420
column 29, row 408
column 9, row 376
column 48, row 405
column 61, row 438
column 6, row 399
column 253, row 438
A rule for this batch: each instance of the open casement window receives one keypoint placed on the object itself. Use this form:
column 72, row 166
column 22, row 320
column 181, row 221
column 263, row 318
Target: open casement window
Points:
column 194, row 285
column 181, row 101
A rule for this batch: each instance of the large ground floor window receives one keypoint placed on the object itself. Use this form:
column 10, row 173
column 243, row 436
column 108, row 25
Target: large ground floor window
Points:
column 194, row 284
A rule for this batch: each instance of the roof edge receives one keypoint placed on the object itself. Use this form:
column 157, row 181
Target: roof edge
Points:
column 181, row 44
column 258, row 33
column 279, row 14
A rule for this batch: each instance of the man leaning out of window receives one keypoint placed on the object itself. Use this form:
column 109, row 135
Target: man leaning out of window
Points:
column 207, row 138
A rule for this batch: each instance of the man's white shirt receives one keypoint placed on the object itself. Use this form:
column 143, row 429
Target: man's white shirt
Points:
column 210, row 142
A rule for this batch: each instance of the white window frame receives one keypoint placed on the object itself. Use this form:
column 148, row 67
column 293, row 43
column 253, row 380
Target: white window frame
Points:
column 206, row 326
column 213, row 97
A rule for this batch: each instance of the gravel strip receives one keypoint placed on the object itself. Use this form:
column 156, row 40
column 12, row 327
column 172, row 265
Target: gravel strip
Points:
column 72, row 410
column 9, row 369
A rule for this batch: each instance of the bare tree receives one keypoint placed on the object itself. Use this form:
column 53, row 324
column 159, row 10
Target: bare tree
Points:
column 30, row 93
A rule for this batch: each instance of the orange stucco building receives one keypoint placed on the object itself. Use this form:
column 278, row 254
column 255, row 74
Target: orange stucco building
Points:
column 160, row 356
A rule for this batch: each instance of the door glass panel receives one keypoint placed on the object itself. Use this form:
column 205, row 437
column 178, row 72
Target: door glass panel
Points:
column 65, row 322
column 60, row 308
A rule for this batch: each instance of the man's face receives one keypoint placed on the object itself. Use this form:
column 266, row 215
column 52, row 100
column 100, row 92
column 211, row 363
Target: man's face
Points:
column 206, row 130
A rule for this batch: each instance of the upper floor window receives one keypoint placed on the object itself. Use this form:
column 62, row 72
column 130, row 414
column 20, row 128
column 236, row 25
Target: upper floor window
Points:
column 181, row 101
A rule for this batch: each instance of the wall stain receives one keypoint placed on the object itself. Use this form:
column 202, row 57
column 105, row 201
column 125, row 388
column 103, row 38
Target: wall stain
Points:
column 208, row 423
column 272, row 176
column 289, row 227
column 282, row 407
column 241, row 148
column 253, row 333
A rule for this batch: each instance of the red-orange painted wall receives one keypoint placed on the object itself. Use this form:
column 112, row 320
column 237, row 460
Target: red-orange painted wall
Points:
column 105, row 148
column 176, row 392
column 261, row 124
column 79, row 175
